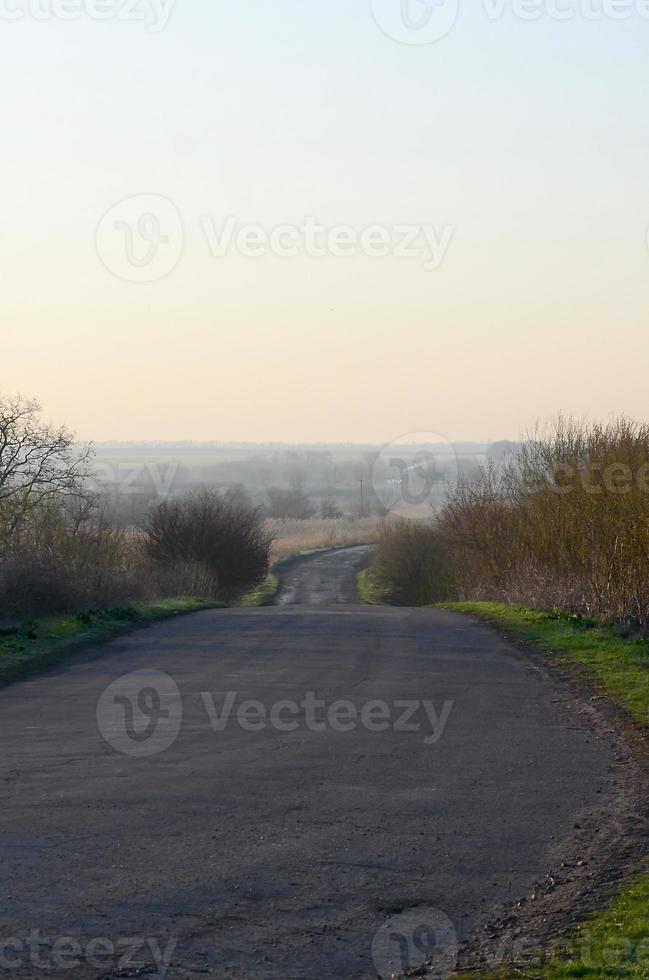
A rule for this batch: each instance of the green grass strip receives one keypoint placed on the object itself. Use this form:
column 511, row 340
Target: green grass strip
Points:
column 615, row 943
column 41, row 643
column 368, row 591
column 263, row 595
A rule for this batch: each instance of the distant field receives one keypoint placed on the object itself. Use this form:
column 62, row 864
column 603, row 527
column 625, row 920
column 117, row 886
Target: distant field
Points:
column 293, row 537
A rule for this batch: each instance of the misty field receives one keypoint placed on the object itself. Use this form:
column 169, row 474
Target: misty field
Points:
column 294, row 537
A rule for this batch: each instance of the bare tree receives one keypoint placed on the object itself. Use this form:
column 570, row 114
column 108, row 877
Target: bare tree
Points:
column 329, row 509
column 289, row 505
column 37, row 461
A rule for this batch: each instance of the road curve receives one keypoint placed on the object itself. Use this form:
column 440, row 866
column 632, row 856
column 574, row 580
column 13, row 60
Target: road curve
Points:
column 279, row 854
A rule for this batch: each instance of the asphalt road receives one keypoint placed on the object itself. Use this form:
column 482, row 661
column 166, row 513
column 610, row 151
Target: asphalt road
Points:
column 326, row 579
column 280, row 854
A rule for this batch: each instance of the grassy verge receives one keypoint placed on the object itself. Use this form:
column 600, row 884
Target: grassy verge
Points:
column 41, row 643
column 263, row 595
column 368, row 591
column 616, row 942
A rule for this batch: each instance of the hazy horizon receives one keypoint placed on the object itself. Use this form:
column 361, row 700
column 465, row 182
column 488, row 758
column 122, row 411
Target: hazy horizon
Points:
column 225, row 443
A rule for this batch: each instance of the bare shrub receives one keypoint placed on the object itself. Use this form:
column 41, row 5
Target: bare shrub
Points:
column 224, row 536
column 60, row 564
column 329, row 509
column 183, row 578
column 565, row 525
column 479, row 528
column 412, row 565
column 28, row 587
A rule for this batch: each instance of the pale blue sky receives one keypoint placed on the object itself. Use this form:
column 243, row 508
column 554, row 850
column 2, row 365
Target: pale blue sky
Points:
column 529, row 139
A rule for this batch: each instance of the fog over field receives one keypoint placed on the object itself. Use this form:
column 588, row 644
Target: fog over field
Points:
column 292, row 481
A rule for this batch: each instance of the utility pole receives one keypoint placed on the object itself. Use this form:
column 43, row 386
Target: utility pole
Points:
column 362, row 500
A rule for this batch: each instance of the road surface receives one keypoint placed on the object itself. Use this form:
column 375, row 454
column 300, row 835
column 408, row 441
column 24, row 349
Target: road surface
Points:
column 323, row 579
column 277, row 842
